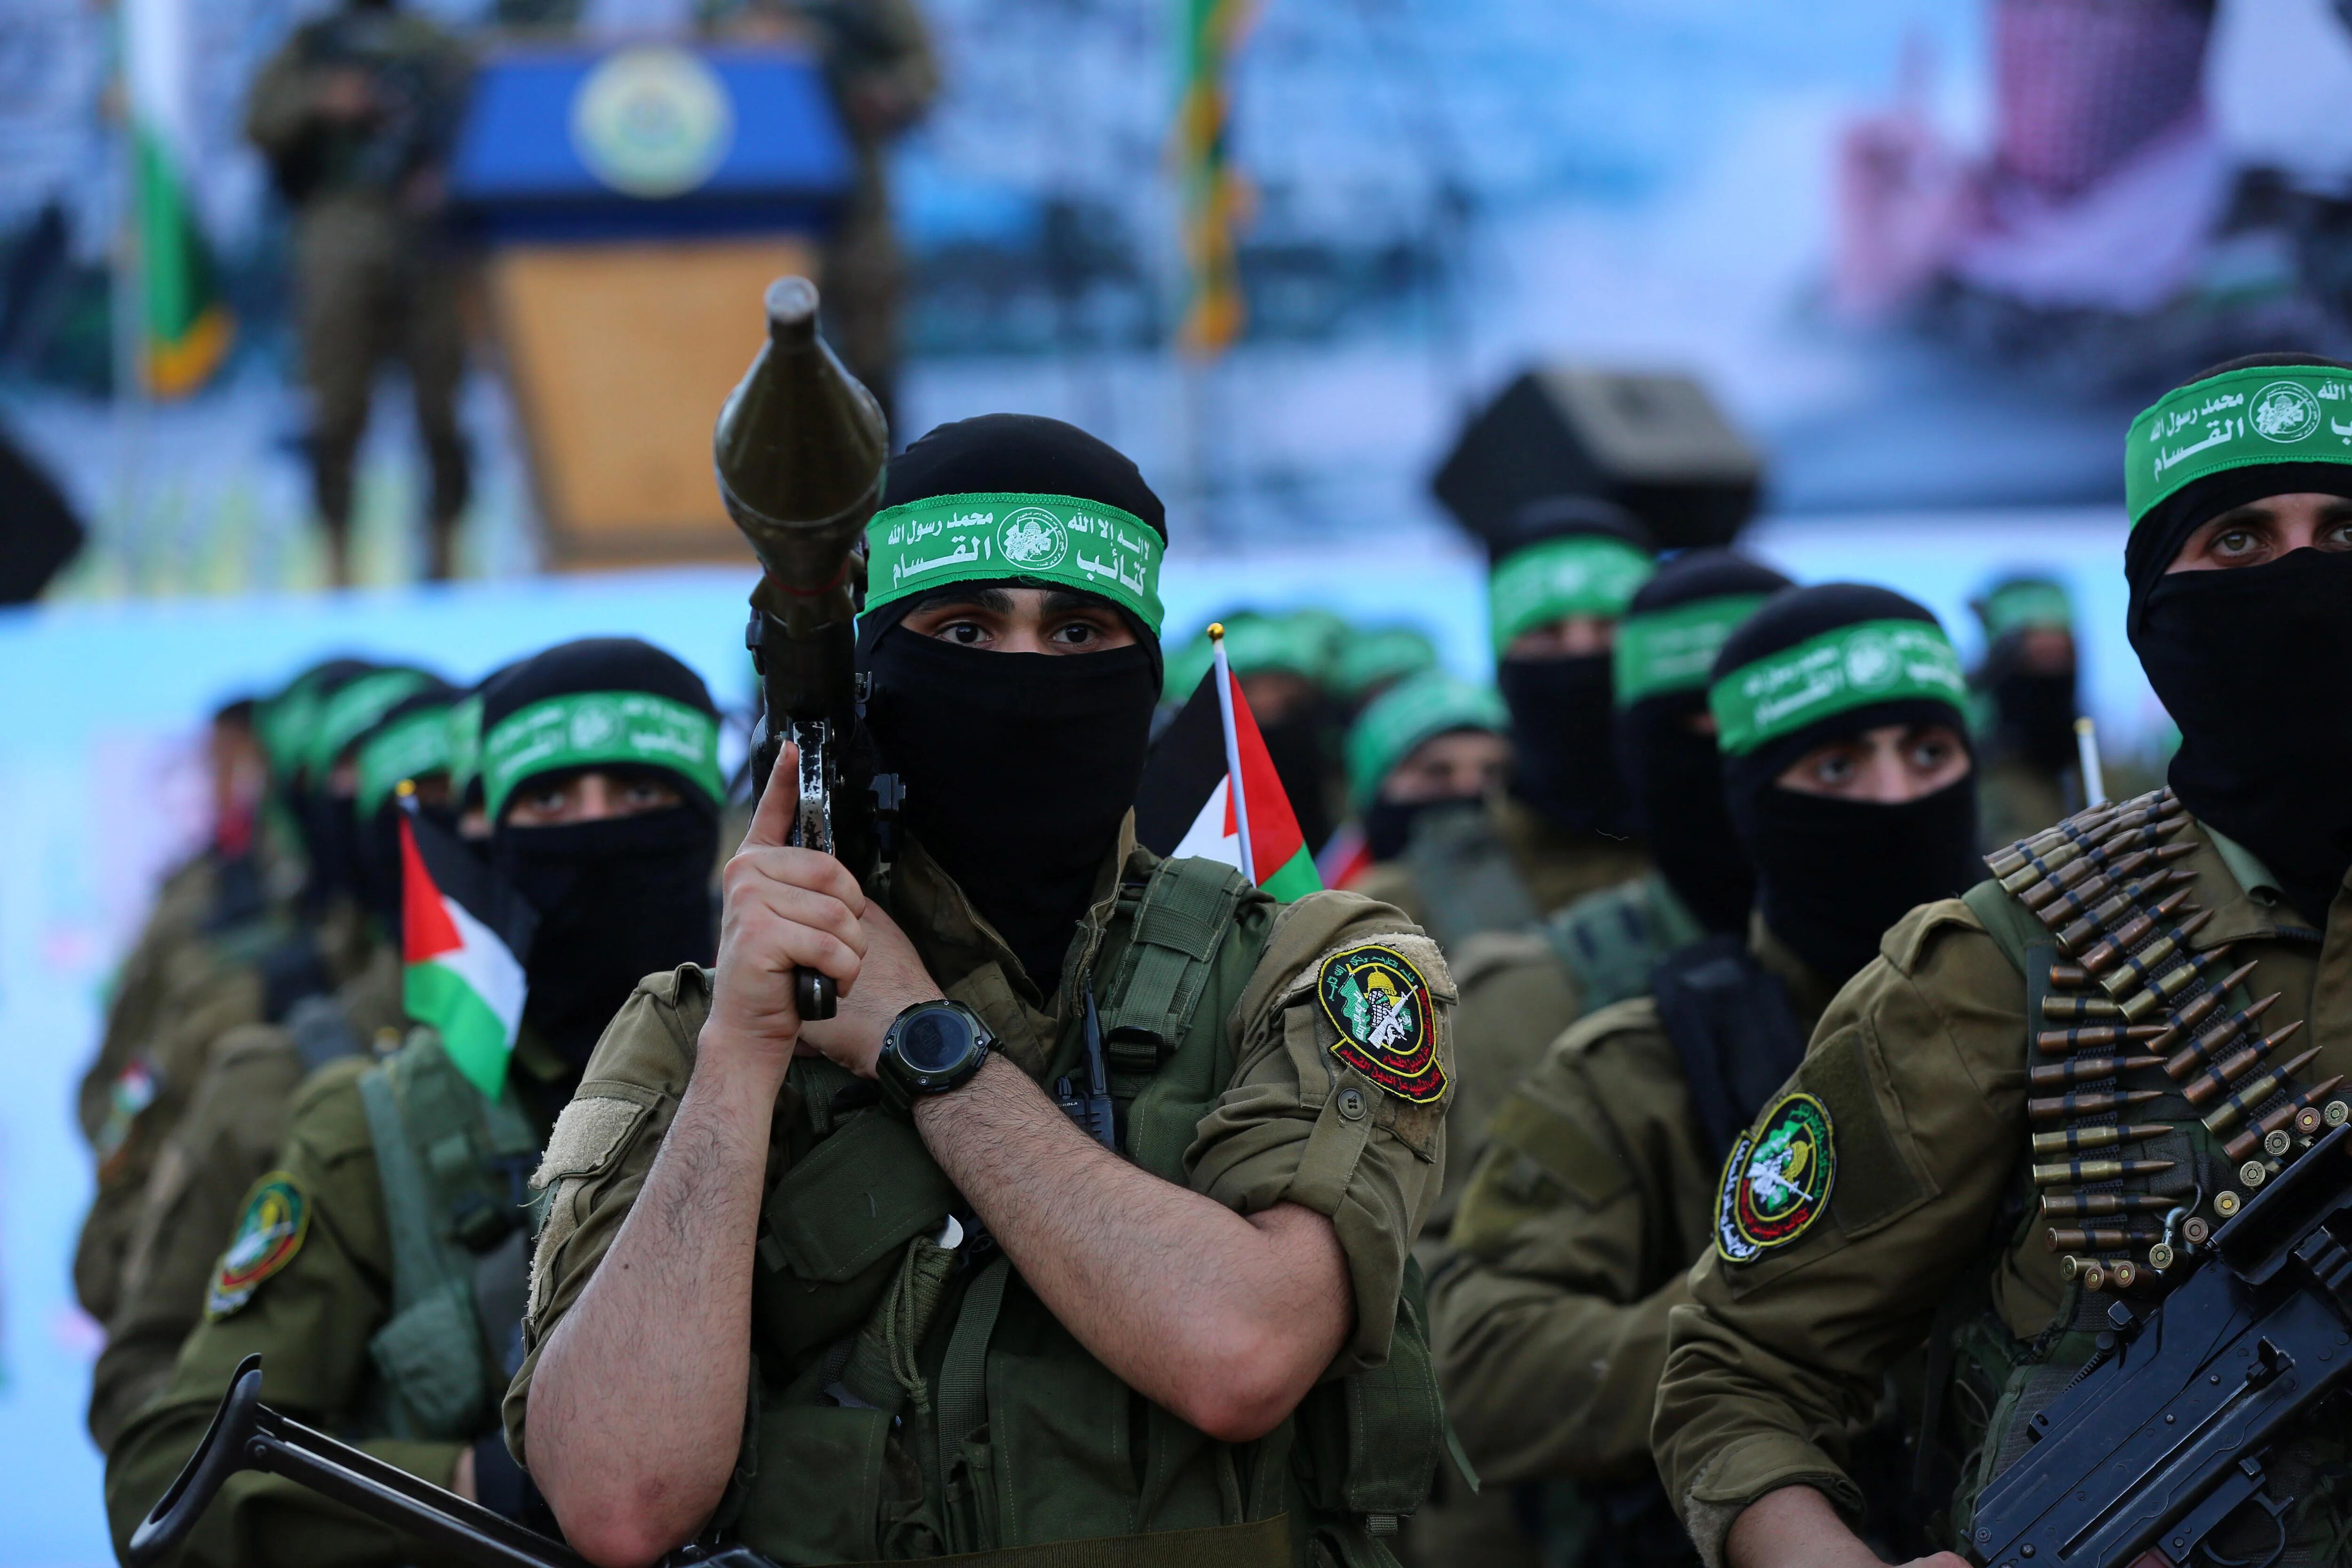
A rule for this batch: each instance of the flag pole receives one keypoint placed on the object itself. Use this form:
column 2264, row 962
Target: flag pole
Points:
column 2086, row 750
column 1234, row 792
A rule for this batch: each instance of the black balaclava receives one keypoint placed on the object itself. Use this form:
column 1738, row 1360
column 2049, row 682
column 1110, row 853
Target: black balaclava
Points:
column 2034, row 709
column 2254, row 663
column 376, row 860
column 325, row 826
column 1018, row 768
column 1832, row 875
column 620, row 899
column 1563, row 710
column 1672, row 772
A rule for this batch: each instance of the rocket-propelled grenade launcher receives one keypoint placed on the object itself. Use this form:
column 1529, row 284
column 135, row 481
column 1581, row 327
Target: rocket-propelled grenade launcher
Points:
column 799, row 450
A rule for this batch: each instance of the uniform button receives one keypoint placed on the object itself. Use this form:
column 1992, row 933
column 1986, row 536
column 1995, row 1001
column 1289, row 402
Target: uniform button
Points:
column 1351, row 1104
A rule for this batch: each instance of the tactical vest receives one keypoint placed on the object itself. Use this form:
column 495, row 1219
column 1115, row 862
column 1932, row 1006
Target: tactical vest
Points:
column 913, row 1398
column 1611, row 940
column 2152, row 1082
column 452, row 1167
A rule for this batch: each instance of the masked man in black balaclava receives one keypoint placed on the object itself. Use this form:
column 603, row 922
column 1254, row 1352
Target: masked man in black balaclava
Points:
column 1838, row 710
column 1086, row 1175
column 2025, row 695
column 380, row 1268
column 1564, row 569
column 2213, row 913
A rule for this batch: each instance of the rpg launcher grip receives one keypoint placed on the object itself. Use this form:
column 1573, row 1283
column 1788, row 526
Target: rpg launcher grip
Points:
column 246, row 1435
column 2167, row 1434
column 800, row 449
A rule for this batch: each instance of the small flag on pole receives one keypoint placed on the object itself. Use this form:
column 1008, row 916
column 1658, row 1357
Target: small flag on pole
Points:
column 1188, row 804
column 463, row 941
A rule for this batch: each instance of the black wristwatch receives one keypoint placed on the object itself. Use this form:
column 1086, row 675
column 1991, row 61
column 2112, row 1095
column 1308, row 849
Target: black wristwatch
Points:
column 932, row 1047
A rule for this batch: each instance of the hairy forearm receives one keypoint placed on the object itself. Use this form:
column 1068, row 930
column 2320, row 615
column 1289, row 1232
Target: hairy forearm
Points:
column 1223, row 1320
column 636, row 1409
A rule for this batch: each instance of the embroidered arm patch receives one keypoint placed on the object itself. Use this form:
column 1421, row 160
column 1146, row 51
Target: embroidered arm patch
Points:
column 1777, row 1182
column 1378, row 1004
column 269, row 1232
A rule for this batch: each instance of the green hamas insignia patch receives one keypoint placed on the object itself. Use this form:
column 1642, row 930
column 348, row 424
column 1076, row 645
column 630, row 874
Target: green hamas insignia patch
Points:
column 1777, row 1181
column 1380, row 1004
column 268, row 1233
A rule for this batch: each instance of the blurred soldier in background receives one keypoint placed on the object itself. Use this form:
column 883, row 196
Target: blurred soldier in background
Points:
column 1373, row 659
column 1563, row 573
column 1428, row 743
column 277, row 933
column 1595, row 1189
column 2025, row 688
column 236, row 1111
column 356, row 115
column 381, row 1268
column 879, row 61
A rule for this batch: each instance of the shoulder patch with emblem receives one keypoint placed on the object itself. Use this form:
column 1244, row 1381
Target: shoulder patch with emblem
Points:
column 1777, row 1181
column 269, row 1232
column 1380, row 1004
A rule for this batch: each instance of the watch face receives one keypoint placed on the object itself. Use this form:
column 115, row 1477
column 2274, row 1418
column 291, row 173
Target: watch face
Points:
column 934, row 1040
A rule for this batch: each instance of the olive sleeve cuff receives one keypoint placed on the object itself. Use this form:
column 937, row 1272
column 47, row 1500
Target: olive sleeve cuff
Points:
column 1744, row 1471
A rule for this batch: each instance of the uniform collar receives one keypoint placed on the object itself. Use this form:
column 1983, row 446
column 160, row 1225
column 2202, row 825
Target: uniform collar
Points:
column 973, row 964
column 2236, row 886
column 1809, row 994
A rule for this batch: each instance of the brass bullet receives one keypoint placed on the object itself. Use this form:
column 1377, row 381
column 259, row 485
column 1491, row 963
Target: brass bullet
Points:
column 2082, row 1036
column 2074, row 1139
column 2070, row 879
column 2216, row 1078
column 2139, row 1003
column 2090, row 1172
column 2099, row 1205
column 2096, row 1103
column 2101, row 1239
column 2058, row 1009
column 2115, row 947
column 2200, row 1008
column 2227, row 1203
column 2194, row 1230
column 2238, row 1102
column 2245, row 1143
column 2086, row 1069
column 2099, row 920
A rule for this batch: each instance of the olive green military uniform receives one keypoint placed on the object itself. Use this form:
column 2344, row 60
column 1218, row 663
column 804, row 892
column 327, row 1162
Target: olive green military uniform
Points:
column 375, row 279
column 1588, row 1202
column 1920, row 1067
column 1465, row 873
column 208, row 1161
column 141, row 1088
column 995, row 1427
column 357, row 1336
column 1520, row 989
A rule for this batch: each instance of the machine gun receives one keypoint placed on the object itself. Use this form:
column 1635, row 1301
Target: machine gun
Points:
column 2167, row 1434
column 799, row 448
column 246, row 1435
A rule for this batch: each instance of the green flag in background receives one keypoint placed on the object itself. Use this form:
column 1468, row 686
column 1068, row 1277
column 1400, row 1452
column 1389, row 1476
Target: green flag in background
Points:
column 184, row 329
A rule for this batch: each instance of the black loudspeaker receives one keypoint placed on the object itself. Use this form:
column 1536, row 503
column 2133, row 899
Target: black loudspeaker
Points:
column 1653, row 442
column 38, row 531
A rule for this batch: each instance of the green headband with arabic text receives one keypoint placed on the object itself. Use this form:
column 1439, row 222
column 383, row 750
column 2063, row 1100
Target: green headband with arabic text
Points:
column 1577, row 575
column 1674, row 650
column 2264, row 414
column 409, row 747
column 1062, row 540
column 1841, row 669
column 588, row 729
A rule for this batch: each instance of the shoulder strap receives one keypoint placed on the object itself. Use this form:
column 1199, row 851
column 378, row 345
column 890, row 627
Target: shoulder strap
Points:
column 1606, row 940
column 408, row 1208
column 2011, row 928
column 1188, row 908
column 1732, row 1025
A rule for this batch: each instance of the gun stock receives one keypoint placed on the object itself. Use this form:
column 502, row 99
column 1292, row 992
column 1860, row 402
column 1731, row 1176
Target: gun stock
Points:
column 2152, row 1449
column 799, row 450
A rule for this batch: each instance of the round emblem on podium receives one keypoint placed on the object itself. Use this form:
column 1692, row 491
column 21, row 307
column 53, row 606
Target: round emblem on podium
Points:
column 652, row 121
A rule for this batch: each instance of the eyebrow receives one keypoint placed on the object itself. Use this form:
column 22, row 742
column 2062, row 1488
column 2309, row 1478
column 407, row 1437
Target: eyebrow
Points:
column 999, row 601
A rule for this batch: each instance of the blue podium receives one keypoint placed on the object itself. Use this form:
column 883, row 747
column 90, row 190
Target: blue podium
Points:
column 633, row 204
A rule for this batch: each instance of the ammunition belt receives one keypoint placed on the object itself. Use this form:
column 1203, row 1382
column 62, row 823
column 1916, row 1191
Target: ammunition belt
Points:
column 2132, row 1017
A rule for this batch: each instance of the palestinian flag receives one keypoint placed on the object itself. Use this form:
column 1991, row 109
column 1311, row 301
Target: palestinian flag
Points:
column 185, row 327
column 463, row 939
column 1185, row 805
